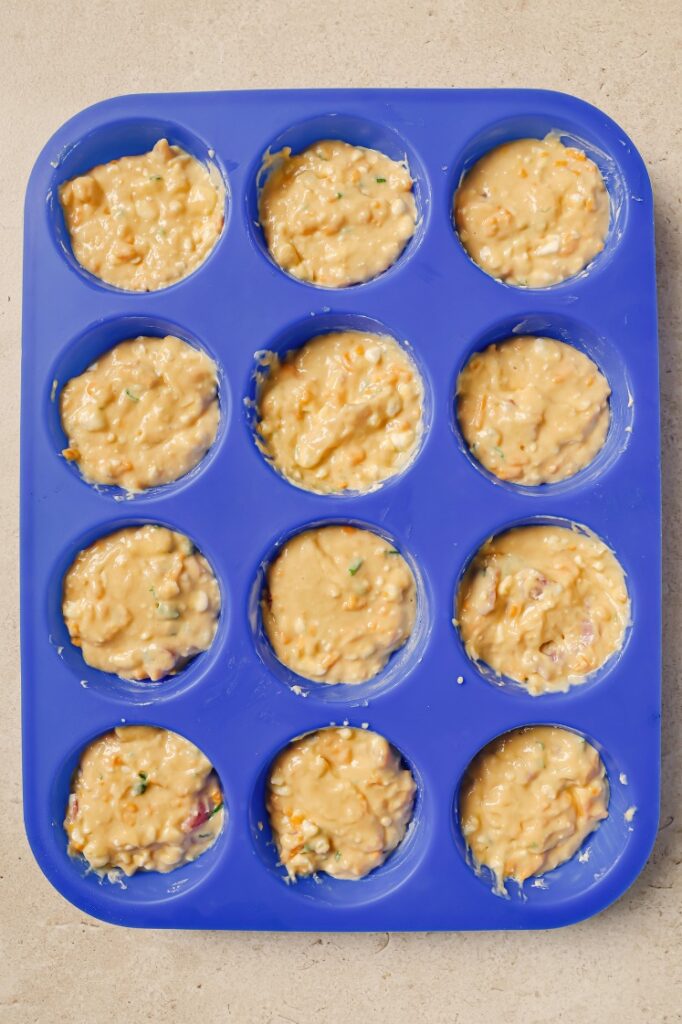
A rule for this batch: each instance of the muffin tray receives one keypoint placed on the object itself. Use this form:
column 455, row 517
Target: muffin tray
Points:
column 236, row 702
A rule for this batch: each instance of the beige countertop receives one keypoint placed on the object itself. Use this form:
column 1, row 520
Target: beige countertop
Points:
column 58, row 965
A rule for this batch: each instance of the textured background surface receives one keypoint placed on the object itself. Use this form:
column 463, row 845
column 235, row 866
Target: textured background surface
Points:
column 58, row 965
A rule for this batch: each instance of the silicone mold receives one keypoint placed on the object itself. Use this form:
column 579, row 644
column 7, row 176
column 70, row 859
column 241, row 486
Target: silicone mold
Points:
column 235, row 701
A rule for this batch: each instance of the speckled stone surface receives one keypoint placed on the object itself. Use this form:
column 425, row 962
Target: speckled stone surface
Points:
column 61, row 967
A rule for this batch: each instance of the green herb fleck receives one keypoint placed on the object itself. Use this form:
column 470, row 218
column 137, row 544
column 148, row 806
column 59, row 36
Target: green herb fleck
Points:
column 205, row 835
column 499, row 452
column 141, row 786
column 381, row 181
column 354, row 566
column 339, row 195
column 308, row 848
column 391, row 551
column 152, row 591
column 155, row 177
column 167, row 611
column 337, row 855
column 218, row 807
column 131, row 396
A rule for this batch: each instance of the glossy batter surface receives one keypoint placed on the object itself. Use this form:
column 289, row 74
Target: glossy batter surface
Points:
column 143, row 414
column 533, row 212
column 339, row 801
column 338, row 601
column 142, row 222
column 530, row 799
column 544, row 605
column 141, row 602
column 533, row 410
column 142, row 799
column 336, row 214
column 344, row 412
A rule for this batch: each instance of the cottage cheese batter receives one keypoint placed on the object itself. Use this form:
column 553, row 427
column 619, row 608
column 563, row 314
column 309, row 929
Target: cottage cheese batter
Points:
column 342, row 412
column 336, row 214
column 544, row 605
column 142, row 222
column 533, row 212
column 533, row 410
column 141, row 602
column 143, row 799
column 339, row 801
column 337, row 603
column 144, row 414
column 530, row 799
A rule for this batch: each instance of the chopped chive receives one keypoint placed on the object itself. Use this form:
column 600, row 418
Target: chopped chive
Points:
column 354, row 566
column 218, row 807
column 141, row 786
column 337, row 855
column 381, row 181
column 155, row 177
column 339, row 195
column 131, row 396
column 205, row 835
column 499, row 451
column 391, row 551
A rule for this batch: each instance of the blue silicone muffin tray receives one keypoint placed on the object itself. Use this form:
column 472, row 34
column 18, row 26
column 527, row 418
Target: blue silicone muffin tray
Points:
column 236, row 701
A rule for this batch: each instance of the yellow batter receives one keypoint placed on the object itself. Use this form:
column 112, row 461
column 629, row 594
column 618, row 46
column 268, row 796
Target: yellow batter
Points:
column 544, row 605
column 338, row 601
column 142, row 222
column 533, row 410
column 336, row 214
column 339, row 801
column 342, row 412
column 141, row 602
column 143, row 799
column 533, row 212
column 144, row 414
column 530, row 799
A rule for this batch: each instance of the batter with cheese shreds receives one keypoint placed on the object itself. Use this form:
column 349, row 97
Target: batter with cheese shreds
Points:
column 339, row 801
column 143, row 799
column 143, row 222
column 141, row 602
column 543, row 605
column 143, row 414
column 336, row 214
column 338, row 602
column 533, row 410
column 533, row 212
column 530, row 799
column 344, row 412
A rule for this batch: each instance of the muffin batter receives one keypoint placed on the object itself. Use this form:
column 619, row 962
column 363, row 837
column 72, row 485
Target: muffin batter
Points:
column 533, row 410
column 144, row 414
column 530, row 799
column 141, row 602
column 142, row 222
column 338, row 601
column 342, row 412
column 544, row 605
column 339, row 801
column 143, row 799
column 336, row 214
column 533, row 212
